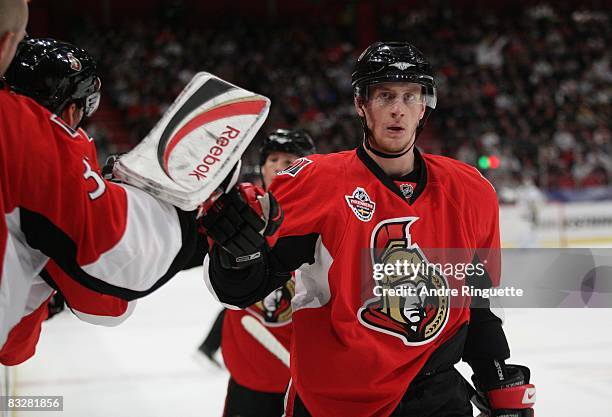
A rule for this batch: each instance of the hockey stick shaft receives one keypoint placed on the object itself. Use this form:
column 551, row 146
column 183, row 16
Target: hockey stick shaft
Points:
column 265, row 338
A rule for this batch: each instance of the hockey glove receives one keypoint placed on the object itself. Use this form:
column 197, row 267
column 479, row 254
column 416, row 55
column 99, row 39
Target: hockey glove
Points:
column 509, row 395
column 239, row 221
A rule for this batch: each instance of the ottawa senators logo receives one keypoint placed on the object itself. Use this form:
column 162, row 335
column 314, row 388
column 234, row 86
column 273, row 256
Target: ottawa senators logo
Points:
column 75, row 64
column 416, row 318
column 275, row 309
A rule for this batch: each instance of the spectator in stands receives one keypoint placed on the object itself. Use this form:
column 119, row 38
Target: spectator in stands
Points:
column 534, row 86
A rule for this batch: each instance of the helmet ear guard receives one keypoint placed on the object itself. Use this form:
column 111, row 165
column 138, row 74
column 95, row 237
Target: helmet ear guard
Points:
column 91, row 93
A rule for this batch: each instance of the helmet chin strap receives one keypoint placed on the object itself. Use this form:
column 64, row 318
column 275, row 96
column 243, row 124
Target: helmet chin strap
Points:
column 81, row 123
column 366, row 141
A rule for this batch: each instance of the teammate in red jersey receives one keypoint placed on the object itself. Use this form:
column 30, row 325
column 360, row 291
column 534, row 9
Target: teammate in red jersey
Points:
column 64, row 79
column 258, row 379
column 356, row 350
column 111, row 238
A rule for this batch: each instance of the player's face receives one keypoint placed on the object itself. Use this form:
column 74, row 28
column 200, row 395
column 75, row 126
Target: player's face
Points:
column 392, row 112
column 275, row 163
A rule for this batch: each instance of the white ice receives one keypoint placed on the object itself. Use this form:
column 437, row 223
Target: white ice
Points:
column 145, row 367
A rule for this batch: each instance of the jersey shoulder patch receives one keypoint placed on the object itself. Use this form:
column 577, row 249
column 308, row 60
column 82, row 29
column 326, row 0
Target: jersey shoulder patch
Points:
column 295, row 168
column 317, row 168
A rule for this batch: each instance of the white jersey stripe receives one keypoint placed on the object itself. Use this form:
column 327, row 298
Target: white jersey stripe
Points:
column 140, row 258
column 20, row 267
column 312, row 281
column 108, row 321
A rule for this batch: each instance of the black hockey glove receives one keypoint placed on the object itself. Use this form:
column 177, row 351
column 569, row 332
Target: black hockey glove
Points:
column 504, row 390
column 239, row 222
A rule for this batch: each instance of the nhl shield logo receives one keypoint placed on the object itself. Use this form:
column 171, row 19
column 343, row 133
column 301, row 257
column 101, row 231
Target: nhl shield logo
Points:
column 407, row 190
column 361, row 204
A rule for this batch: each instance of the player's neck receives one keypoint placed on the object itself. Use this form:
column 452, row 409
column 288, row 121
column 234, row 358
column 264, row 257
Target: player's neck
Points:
column 395, row 167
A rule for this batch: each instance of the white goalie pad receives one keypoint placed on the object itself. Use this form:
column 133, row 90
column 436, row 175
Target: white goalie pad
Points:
column 197, row 142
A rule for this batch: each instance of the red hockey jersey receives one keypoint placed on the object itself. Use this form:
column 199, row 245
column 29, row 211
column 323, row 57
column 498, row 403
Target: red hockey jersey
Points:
column 88, row 305
column 355, row 351
column 109, row 238
column 248, row 362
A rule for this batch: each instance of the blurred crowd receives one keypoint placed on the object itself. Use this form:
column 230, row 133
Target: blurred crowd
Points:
column 533, row 88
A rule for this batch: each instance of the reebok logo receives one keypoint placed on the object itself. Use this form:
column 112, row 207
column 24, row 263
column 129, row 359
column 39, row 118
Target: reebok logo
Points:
column 211, row 157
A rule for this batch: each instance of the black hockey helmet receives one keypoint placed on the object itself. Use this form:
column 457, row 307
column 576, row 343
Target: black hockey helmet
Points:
column 55, row 74
column 394, row 62
column 297, row 142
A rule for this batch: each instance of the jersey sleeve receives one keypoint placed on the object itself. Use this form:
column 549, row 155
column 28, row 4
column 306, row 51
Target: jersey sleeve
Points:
column 111, row 238
column 88, row 305
column 21, row 341
column 486, row 339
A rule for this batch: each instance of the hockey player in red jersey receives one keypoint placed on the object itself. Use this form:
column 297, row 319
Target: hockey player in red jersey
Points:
column 356, row 352
column 111, row 238
column 64, row 79
column 258, row 380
